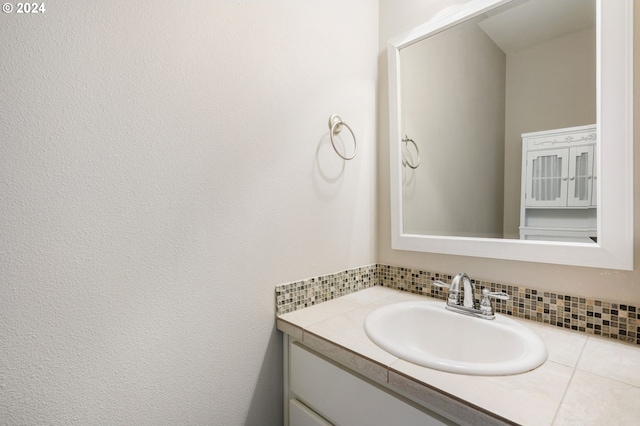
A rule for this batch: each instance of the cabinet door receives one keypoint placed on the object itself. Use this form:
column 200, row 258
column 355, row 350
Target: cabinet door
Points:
column 547, row 176
column 580, row 176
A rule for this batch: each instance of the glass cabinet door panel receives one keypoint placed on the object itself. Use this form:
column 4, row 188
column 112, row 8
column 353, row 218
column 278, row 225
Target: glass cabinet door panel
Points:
column 580, row 176
column 547, row 176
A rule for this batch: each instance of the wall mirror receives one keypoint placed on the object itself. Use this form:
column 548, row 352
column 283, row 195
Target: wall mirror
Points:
column 511, row 132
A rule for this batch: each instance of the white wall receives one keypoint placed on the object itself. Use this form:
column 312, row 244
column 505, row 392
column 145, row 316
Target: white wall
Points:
column 163, row 165
column 397, row 16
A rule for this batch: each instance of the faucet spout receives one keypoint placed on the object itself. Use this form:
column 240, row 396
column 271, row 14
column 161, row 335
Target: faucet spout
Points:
column 468, row 286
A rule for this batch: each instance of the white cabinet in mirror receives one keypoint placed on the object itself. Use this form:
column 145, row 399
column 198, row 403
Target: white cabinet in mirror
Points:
column 558, row 201
column 466, row 89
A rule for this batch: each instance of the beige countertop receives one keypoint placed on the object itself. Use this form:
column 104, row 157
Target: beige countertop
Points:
column 586, row 379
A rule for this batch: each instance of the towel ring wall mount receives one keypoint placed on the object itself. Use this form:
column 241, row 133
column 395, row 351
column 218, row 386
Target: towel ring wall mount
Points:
column 335, row 127
column 405, row 159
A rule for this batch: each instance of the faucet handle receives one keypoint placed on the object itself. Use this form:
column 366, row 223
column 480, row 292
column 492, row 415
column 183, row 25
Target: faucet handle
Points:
column 485, row 306
column 453, row 298
column 494, row 295
column 441, row 284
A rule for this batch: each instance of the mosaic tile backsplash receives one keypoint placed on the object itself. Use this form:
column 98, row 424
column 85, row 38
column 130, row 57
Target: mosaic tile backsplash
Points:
column 301, row 294
column 604, row 318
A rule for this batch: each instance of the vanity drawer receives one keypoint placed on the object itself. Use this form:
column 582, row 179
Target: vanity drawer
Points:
column 343, row 398
column 301, row 415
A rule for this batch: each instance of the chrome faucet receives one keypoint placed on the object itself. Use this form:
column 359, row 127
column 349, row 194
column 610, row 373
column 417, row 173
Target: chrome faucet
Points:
column 454, row 299
column 468, row 304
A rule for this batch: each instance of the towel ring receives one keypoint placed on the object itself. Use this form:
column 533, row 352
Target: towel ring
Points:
column 406, row 162
column 335, row 127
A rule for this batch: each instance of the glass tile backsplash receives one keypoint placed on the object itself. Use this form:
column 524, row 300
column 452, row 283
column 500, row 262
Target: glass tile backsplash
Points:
column 615, row 320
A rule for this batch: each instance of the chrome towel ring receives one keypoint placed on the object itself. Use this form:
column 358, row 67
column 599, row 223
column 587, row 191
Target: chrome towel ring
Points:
column 405, row 161
column 335, row 127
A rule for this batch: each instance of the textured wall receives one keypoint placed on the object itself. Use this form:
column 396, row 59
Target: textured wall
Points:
column 399, row 16
column 163, row 165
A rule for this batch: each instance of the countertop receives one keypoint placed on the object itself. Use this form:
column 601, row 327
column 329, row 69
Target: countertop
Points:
column 585, row 380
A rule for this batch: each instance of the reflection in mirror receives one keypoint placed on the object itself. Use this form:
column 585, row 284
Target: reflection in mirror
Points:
column 555, row 96
column 469, row 94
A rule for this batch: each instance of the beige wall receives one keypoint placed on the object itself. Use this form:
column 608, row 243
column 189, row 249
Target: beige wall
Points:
column 567, row 66
column 163, row 165
column 463, row 152
column 399, row 16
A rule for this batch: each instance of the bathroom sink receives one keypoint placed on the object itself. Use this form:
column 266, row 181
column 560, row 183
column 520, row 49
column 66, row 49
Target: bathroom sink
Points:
column 427, row 334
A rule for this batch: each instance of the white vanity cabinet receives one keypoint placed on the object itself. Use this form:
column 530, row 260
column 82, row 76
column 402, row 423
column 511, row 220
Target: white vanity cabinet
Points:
column 558, row 196
column 319, row 392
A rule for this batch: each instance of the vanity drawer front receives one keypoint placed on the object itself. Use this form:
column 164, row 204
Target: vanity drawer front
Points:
column 345, row 399
column 301, row 415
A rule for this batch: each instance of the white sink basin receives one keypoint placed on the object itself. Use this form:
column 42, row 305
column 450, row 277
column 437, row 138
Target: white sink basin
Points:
column 427, row 334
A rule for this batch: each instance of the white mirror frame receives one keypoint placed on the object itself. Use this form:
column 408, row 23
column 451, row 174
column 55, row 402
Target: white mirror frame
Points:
column 614, row 30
